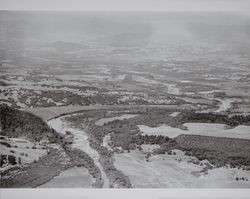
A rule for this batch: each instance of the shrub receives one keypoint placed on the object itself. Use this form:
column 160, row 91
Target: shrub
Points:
column 3, row 159
column 188, row 153
column 12, row 159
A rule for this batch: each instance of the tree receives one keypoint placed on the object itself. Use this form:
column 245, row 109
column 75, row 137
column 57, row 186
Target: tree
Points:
column 19, row 160
column 12, row 159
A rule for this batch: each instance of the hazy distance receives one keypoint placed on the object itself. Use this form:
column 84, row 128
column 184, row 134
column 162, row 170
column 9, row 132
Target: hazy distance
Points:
column 127, row 5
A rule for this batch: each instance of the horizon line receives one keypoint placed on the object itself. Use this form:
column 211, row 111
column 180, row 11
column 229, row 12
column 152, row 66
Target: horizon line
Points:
column 52, row 10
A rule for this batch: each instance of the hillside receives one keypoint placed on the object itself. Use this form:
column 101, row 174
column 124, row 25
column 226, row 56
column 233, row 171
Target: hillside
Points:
column 15, row 123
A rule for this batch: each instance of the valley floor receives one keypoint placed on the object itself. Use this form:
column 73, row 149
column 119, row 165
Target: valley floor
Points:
column 175, row 170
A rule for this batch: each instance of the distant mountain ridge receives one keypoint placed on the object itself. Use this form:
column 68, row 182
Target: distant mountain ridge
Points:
column 62, row 46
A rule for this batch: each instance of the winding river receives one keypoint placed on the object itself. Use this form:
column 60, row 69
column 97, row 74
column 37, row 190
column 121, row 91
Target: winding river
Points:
column 80, row 141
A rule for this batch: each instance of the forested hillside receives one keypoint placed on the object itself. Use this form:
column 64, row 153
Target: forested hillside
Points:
column 15, row 123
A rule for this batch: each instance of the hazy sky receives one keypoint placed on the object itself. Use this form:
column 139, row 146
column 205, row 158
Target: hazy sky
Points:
column 127, row 5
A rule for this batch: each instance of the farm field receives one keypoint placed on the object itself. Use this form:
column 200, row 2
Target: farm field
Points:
column 175, row 171
column 206, row 129
column 73, row 177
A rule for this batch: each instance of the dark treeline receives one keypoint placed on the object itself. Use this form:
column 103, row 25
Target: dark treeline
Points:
column 219, row 151
column 151, row 139
column 219, row 159
column 216, row 118
column 132, row 141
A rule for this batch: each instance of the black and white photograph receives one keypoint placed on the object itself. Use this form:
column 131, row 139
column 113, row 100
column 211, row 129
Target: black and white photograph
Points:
column 124, row 95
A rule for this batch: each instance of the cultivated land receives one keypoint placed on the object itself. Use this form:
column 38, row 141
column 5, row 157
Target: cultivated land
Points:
column 102, row 106
column 76, row 177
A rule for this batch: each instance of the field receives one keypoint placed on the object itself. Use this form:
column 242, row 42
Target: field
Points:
column 22, row 150
column 176, row 171
column 74, row 177
column 206, row 129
